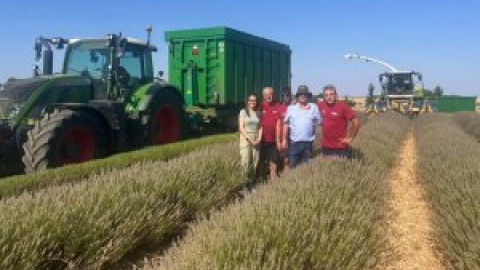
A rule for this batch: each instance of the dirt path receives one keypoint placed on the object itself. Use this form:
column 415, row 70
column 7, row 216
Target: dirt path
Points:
column 410, row 229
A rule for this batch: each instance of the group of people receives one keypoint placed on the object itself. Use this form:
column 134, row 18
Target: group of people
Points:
column 282, row 134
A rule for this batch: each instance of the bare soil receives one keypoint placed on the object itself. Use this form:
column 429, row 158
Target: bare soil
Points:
column 411, row 233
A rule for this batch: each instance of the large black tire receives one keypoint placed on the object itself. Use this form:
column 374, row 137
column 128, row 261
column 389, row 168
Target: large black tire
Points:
column 63, row 137
column 165, row 122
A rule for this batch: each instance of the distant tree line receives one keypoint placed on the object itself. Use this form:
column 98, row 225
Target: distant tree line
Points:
column 436, row 92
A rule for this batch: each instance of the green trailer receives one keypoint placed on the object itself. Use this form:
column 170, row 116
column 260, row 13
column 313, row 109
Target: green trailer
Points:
column 455, row 103
column 216, row 68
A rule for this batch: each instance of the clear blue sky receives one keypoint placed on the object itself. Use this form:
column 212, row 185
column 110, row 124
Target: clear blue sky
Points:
column 441, row 39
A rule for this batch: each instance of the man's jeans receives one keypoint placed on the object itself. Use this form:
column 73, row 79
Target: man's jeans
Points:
column 299, row 152
column 341, row 153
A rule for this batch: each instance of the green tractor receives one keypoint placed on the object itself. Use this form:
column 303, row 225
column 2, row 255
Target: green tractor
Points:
column 105, row 100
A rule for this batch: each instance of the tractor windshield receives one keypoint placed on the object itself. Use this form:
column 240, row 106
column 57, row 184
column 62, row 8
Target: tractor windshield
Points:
column 91, row 58
column 88, row 59
column 400, row 84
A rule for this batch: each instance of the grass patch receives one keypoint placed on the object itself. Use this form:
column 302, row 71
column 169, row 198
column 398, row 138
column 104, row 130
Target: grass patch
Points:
column 15, row 185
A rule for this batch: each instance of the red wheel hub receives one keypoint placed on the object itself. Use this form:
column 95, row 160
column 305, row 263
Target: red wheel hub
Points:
column 77, row 145
column 166, row 125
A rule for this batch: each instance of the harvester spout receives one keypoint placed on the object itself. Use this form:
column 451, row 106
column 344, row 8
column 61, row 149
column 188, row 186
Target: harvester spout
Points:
column 369, row 59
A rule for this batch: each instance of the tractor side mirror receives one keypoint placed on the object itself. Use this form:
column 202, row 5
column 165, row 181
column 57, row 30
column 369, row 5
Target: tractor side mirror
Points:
column 117, row 43
column 38, row 50
column 36, row 70
column 121, row 47
column 382, row 81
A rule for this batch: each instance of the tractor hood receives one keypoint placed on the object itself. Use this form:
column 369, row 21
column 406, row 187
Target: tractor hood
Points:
column 16, row 92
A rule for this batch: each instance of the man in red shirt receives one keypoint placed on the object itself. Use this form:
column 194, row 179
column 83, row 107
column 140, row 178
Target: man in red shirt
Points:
column 270, row 124
column 336, row 115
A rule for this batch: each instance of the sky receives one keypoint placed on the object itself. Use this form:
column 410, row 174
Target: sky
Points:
column 440, row 39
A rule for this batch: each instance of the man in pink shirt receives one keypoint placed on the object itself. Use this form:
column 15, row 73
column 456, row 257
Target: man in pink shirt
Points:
column 336, row 115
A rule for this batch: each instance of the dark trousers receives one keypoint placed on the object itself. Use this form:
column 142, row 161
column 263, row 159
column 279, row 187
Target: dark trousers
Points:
column 342, row 153
column 268, row 153
column 299, row 152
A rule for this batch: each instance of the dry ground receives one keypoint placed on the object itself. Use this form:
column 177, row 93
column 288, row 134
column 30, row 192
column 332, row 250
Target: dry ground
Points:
column 410, row 233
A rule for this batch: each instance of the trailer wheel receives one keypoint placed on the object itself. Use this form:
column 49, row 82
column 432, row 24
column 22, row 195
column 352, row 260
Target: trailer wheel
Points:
column 63, row 137
column 166, row 118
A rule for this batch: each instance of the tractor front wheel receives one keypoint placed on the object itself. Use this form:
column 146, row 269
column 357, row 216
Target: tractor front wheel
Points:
column 63, row 137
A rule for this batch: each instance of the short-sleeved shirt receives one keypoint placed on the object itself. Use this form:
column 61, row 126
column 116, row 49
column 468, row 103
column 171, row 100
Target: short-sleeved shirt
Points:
column 282, row 110
column 252, row 122
column 335, row 120
column 268, row 121
column 302, row 122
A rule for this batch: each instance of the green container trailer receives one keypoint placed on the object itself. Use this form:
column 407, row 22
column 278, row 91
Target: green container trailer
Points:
column 454, row 103
column 218, row 67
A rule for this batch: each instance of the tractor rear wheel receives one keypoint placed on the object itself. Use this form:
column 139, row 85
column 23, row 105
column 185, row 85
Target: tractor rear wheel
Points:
column 63, row 137
column 165, row 124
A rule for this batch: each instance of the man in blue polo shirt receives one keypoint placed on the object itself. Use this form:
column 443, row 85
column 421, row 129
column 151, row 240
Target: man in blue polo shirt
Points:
column 300, row 122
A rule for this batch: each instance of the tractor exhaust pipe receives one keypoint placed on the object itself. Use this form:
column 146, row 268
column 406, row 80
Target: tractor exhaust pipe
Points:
column 48, row 62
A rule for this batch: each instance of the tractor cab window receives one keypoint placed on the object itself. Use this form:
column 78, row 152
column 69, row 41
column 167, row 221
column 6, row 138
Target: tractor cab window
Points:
column 402, row 80
column 87, row 59
column 401, row 84
column 92, row 58
column 137, row 62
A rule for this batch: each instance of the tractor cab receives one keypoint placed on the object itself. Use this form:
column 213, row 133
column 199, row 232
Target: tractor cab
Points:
column 115, row 65
column 110, row 68
column 400, row 84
